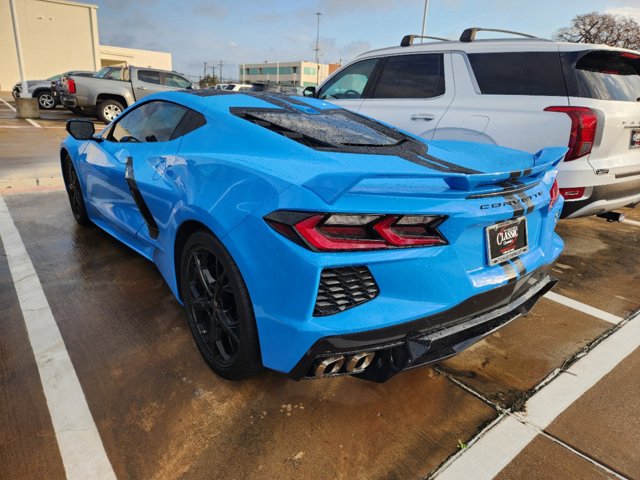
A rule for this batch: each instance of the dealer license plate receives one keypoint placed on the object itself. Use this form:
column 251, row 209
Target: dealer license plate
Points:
column 506, row 240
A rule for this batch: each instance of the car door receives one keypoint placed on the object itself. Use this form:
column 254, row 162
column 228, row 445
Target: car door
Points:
column 348, row 87
column 145, row 82
column 411, row 92
column 142, row 138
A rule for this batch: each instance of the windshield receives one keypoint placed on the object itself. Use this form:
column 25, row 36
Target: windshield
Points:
column 609, row 75
column 55, row 77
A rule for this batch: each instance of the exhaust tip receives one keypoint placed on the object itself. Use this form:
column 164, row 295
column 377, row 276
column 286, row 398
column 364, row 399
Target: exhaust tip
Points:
column 329, row 366
column 612, row 216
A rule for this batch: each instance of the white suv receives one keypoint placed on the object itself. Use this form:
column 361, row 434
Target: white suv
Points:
column 521, row 93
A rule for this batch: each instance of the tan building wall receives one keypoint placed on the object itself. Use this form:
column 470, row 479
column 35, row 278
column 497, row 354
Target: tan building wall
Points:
column 56, row 36
column 140, row 58
column 61, row 35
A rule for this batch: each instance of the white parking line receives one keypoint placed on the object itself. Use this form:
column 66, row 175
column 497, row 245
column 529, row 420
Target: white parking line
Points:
column 631, row 222
column 81, row 448
column 505, row 438
column 581, row 307
column 35, row 124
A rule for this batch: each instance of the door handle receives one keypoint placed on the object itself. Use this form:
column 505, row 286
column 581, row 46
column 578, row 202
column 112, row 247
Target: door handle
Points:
column 427, row 117
column 142, row 88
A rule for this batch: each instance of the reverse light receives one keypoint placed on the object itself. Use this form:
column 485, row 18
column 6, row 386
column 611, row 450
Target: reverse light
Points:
column 339, row 232
column 71, row 85
column 554, row 193
column 572, row 193
column 583, row 130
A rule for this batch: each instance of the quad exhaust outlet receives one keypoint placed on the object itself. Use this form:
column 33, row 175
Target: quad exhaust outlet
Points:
column 343, row 364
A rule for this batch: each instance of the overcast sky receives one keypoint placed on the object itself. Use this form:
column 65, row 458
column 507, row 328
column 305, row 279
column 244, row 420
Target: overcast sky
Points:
column 249, row 31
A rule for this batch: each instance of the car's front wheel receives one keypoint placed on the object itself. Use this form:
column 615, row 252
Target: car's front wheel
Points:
column 46, row 101
column 74, row 191
column 109, row 110
column 219, row 308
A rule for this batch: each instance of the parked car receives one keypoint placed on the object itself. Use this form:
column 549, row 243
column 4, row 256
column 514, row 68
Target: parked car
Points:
column 235, row 87
column 42, row 89
column 107, row 97
column 520, row 93
column 313, row 241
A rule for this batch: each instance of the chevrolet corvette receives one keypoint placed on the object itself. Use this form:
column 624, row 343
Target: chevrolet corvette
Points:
column 310, row 240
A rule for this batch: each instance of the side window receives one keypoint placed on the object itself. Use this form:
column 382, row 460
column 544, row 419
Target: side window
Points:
column 519, row 73
column 411, row 76
column 149, row 76
column 172, row 80
column 150, row 122
column 114, row 75
column 350, row 83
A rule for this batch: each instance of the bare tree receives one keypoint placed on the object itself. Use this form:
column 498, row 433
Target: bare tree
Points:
column 594, row 27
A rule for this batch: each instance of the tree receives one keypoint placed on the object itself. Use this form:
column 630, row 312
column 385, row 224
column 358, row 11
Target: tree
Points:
column 208, row 81
column 594, row 27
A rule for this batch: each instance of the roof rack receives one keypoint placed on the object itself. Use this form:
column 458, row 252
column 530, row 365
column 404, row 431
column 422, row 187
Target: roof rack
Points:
column 469, row 35
column 407, row 40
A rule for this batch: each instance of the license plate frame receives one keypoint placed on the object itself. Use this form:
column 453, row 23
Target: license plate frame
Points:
column 634, row 138
column 505, row 242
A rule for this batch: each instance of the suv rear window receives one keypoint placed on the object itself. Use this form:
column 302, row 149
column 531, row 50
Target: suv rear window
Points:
column 411, row 76
column 519, row 73
column 607, row 75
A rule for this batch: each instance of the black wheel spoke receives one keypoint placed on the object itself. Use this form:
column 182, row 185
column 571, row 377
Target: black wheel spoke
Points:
column 212, row 306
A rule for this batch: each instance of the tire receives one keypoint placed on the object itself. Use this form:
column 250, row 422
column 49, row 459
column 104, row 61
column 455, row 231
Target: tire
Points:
column 46, row 100
column 109, row 110
column 74, row 192
column 219, row 309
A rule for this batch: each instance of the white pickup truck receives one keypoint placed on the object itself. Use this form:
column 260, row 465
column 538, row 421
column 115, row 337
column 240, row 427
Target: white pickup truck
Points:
column 107, row 97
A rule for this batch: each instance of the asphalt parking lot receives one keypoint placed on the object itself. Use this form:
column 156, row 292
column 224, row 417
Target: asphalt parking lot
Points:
column 551, row 395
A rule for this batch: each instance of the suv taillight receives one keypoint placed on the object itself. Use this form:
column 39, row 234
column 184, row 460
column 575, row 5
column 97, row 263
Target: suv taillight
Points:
column 71, row 85
column 554, row 193
column 583, row 130
column 338, row 232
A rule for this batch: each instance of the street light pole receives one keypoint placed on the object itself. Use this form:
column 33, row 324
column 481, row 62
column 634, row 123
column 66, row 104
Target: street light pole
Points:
column 16, row 34
column 318, row 50
column 424, row 19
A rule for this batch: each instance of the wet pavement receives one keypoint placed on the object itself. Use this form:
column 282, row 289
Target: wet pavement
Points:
column 161, row 413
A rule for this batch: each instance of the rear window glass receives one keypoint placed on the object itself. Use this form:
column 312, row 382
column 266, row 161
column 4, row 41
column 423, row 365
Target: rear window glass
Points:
column 411, row 76
column 329, row 128
column 609, row 76
column 519, row 73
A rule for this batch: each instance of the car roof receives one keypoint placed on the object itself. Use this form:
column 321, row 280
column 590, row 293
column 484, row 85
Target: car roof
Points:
column 211, row 99
column 488, row 46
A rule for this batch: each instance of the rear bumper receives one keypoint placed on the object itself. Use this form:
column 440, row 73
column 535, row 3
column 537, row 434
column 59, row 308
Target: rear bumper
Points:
column 68, row 101
column 604, row 198
column 432, row 338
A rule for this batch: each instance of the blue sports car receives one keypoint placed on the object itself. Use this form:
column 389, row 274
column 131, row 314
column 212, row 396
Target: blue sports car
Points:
column 313, row 241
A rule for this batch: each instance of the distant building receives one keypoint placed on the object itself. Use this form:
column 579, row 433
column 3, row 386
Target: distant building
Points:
column 61, row 35
column 302, row 73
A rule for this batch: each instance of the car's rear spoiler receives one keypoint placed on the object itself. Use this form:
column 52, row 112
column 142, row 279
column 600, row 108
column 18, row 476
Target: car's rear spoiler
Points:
column 330, row 187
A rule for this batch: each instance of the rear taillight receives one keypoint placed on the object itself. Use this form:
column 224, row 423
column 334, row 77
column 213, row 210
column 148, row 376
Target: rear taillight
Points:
column 554, row 193
column 338, row 232
column 583, row 130
column 572, row 193
column 71, row 85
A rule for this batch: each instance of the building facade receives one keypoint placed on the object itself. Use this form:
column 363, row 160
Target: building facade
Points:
column 61, row 35
column 302, row 73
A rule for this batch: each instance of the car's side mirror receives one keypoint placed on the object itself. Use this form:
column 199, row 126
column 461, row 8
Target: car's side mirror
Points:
column 309, row 92
column 81, row 129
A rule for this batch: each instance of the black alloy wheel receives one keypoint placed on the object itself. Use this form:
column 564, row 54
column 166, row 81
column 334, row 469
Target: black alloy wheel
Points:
column 74, row 191
column 218, row 308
